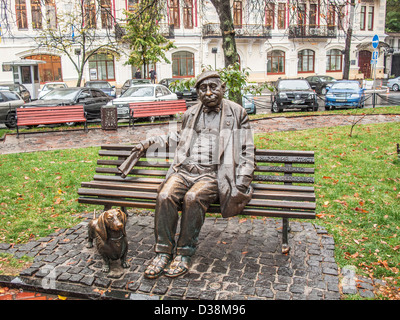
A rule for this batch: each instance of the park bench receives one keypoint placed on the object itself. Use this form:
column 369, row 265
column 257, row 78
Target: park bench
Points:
column 283, row 184
column 154, row 109
column 50, row 115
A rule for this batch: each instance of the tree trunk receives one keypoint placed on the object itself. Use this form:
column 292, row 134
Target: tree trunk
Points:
column 223, row 9
column 349, row 34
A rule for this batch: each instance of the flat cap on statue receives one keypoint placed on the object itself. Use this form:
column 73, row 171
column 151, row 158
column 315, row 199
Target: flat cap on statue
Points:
column 206, row 75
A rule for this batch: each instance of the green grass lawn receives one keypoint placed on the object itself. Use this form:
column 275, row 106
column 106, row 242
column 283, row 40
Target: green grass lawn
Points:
column 358, row 191
column 357, row 187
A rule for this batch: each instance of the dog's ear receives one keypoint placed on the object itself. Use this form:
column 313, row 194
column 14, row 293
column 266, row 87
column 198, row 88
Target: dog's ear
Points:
column 123, row 219
column 101, row 226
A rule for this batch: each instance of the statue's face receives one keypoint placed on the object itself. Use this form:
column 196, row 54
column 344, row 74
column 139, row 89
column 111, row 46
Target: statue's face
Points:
column 211, row 91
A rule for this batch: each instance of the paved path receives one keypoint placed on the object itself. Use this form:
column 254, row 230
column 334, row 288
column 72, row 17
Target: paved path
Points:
column 236, row 259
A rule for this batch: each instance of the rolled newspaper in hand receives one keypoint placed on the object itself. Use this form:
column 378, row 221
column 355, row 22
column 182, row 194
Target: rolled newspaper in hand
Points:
column 129, row 163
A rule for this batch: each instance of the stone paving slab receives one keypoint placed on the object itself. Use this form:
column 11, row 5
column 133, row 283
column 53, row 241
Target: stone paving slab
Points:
column 236, row 259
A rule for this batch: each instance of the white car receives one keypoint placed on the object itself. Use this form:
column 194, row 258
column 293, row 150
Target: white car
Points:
column 394, row 84
column 48, row 86
column 141, row 93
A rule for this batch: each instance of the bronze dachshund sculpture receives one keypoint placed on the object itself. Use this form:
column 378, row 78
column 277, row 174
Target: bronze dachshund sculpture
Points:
column 109, row 232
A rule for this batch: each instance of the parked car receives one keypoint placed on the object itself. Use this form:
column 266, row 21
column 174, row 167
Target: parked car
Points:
column 394, row 84
column 320, row 83
column 9, row 100
column 104, row 86
column 185, row 94
column 345, row 93
column 293, row 93
column 137, row 93
column 91, row 99
column 131, row 82
column 48, row 86
column 248, row 103
column 22, row 91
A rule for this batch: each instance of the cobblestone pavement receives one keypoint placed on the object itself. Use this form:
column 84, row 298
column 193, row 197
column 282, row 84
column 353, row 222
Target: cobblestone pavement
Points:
column 236, row 259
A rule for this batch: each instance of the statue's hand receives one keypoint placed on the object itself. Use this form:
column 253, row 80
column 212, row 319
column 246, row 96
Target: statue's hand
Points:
column 139, row 147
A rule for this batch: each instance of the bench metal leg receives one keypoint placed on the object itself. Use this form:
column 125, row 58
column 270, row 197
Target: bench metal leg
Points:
column 285, row 236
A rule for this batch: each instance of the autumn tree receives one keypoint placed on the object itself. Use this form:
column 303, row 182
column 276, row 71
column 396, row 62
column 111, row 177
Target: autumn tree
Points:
column 142, row 35
column 78, row 34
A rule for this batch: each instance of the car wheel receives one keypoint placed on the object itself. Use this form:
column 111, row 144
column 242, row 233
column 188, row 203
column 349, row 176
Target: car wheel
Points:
column 275, row 107
column 11, row 120
column 323, row 91
column 152, row 119
column 327, row 108
column 395, row 87
column 70, row 124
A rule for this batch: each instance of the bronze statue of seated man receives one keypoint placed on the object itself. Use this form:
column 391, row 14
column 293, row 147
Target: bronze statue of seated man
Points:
column 213, row 162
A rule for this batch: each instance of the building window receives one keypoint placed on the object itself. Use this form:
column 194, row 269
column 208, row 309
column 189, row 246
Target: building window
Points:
column 132, row 5
column 101, row 66
column 51, row 70
column 306, row 60
column 188, row 14
column 237, row 13
column 20, row 9
column 182, row 64
column 36, row 10
column 331, row 18
column 334, row 60
column 51, row 14
column 301, row 15
column 362, row 17
column 282, row 16
column 269, row 15
column 370, row 18
column 276, row 62
column 313, row 15
column 174, row 13
column 90, row 13
column 106, row 14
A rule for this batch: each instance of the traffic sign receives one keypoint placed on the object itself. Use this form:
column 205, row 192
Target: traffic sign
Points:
column 375, row 41
column 375, row 55
column 374, row 61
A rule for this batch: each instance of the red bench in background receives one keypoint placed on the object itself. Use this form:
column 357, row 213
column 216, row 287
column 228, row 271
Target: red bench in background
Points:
column 50, row 115
column 154, row 109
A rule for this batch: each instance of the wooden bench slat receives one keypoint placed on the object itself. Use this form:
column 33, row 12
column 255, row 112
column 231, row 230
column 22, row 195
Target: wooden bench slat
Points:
column 284, row 159
column 128, row 179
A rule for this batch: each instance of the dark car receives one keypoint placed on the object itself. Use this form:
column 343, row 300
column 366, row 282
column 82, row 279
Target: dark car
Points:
column 320, row 84
column 91, row 99
column 22, row 91
column 293, row 94
column 9, row 100
column 185, row 94
column 103, row 86
column 131, row 82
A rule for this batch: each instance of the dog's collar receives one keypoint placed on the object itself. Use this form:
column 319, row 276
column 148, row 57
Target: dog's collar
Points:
column 116, row 239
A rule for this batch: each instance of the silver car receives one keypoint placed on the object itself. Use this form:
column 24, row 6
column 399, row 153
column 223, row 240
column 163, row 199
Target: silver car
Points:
column 9, row 100
column 141, row 93
column 394, row 84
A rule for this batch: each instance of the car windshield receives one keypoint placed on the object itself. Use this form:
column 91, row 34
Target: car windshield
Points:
column 324, row 79
column 346, row 86
column 98, row 85
column 51, row 86
column 138, row 91
column 68, row 94
column 293, row 85
column 10, row 95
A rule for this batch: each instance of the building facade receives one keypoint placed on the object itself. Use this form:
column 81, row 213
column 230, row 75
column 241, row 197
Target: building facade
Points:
column 277, row 38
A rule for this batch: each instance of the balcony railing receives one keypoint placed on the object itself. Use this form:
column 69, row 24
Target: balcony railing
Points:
column 212, row 30
column 312, row 31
